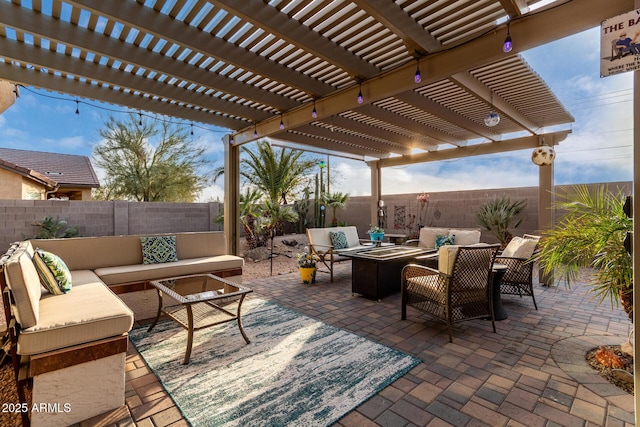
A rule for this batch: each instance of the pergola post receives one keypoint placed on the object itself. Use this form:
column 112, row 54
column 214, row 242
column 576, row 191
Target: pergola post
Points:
column 232, row 195
column 376, row 189
column 546, row 213
column 636, row 232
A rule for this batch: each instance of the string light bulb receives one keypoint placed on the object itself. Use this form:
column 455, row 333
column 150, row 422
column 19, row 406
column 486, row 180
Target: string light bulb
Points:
column 281, row 123
column 360, row 97
column 417, row 77
column 77, row 107
column 191, row 128
column 255, row 131
column 493, row 118
column 507, row 45
column 140, row 122
column 314, row 113
column 232, row 140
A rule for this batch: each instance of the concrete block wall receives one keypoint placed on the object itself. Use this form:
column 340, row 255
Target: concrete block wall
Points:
column 452, row 208
column 110, row 218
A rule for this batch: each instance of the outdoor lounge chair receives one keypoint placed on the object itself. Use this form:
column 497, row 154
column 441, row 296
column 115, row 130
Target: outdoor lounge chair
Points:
column 518, row 279
column 459, row 290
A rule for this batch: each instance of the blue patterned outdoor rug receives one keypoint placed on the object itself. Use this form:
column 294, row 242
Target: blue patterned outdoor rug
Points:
column 296, row 372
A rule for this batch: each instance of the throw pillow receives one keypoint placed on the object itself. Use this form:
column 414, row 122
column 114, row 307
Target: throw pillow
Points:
column 444, row 240
column 54, row 273
column 338, row 239
column 158, row 249
column 520, row 247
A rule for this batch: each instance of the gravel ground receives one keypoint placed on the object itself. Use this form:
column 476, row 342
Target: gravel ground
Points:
column 284, row 260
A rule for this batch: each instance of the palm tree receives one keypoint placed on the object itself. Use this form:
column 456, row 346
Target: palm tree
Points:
column 277, row 173
column 275, row 214
column 591, row 234
column 336, row 201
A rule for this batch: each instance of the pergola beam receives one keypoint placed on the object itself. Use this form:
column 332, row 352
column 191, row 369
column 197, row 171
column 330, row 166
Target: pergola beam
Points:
column 51, row 29
column 417, row 40
column 327, row 144
column 526, row 33
column 297, row 34
column 162, row 26
column 523, row 143
column 80, row 89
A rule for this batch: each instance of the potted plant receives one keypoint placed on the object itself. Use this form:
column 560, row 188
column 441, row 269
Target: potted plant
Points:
column 307, row 265
column 376, row 234
column 591, row 234
column 499, row 215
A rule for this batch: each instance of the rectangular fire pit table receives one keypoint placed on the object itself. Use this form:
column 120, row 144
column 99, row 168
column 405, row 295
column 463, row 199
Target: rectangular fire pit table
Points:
column 196, row 302
column 375, row 273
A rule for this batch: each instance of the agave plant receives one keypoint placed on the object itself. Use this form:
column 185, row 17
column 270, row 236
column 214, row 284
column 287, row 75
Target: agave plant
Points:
column 500, row 215
column 591, row 234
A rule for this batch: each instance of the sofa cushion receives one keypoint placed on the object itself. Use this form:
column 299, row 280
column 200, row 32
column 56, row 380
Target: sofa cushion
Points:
column 465, row 237
column 520, row 247
column 54, row 273
column 91, row 312
column 428, row 236
column 158, row 249
column 338, row 239
column 23, row 280
column 144, row 272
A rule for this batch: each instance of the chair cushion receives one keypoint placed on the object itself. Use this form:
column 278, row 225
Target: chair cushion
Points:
column 338, row 239
column 428, row 236
column 54, row 273
column 465, row 237
column 520, row 247
column 158, row 249
column 446, row 258
column 23, row 280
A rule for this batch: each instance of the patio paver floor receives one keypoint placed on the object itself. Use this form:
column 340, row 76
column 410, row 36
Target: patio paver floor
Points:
column 532, row 372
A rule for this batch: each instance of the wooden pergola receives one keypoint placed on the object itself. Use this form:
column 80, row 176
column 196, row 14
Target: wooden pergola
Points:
column 292, row 71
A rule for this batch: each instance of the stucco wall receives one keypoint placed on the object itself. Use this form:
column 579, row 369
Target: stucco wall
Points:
column 10, row 185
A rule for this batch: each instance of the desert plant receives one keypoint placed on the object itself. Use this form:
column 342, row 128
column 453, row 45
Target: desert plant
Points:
column 53, row 228
column 591, row 234
column 336, row 201
column 500, row 215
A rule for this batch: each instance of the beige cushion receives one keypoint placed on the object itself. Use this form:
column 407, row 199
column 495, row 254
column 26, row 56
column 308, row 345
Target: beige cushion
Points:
column 446, row 258
column 143, row 272
column 23, row 280
column 428, row 236
column 465, row 237
column 110, row 251
column 88, row 313
column 519, row 247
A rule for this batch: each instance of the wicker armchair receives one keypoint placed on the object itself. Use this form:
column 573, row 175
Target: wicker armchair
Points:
column 518, row 279
column 460, row 290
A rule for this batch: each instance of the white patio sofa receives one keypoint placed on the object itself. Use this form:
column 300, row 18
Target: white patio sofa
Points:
column 320, row 243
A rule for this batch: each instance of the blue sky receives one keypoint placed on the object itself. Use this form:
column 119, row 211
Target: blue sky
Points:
column 599, row 149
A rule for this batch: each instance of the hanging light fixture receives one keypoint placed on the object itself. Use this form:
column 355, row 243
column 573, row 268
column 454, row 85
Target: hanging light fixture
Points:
column 255, row 131
column 493, row 118
column 507, row 45
column 543, row 155
column 281, row 122
column 360, row 97
column 417, row 77
column 314, row 113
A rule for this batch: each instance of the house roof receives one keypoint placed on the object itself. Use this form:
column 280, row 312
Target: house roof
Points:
column 66, row 170
column 248, row 65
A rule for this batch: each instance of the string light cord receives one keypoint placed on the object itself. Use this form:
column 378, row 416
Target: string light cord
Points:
column 113, row 110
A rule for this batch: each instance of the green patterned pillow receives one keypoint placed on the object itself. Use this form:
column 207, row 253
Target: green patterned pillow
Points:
column 54, row 273
column 338, row 239
column 444, row 240
column 158, row 249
